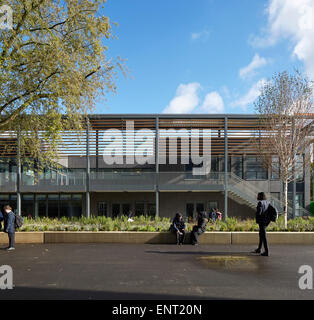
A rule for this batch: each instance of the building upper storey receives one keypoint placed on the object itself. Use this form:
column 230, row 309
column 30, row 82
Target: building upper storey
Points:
column 143, row 151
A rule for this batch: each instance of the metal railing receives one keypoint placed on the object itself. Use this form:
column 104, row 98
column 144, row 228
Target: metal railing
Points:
column 8, row 181
column 58, row 182
column 248, row 192
column 122, row 181
column 172, row 181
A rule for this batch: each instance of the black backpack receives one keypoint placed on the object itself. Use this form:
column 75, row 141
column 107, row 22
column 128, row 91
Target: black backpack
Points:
column 272, row 213
column 18, row 222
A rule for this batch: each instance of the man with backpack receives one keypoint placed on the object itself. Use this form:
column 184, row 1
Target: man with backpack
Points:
column 9, row 226
column 265, row 213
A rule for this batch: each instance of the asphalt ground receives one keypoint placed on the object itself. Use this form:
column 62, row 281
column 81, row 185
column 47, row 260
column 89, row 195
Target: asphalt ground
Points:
column 153, row 272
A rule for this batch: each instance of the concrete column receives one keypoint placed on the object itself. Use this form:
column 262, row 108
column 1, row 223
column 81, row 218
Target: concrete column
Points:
column 157, row 165
column 226, row 169
column 87, row 204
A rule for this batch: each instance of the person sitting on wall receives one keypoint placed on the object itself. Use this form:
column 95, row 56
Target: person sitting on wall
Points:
column 199, row 228
column 213, row 214
column 218, row 214
column 130, row 216
column 178, row 227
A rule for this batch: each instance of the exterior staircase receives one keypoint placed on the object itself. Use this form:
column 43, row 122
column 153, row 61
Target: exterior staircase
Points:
column 244, row 192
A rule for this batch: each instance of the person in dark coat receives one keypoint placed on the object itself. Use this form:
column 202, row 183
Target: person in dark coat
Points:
column 9, row 226
column 213, row 215
column 263, row 221
column 178, row 227
column 199, row 228
column 1, row 219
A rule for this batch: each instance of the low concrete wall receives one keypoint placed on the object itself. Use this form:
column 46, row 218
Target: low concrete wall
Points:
column 132, row 237
column 108, row 237
column 215, row 238
column 23, row 237
column 244, row 238
column 223, row 238
column 273, row 237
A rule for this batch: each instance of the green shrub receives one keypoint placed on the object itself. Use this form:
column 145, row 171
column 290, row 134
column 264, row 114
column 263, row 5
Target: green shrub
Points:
column 143, row 223
column 312, row 208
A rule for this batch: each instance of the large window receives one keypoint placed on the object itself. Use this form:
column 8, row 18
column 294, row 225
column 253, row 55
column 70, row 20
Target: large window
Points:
column 299, row 202
column 237, row 166
column 254, row 169
column 140, row 209
column 41, row 205
column 27, row 207
column 274, row 168
column 7, row 170
column 9, row 199
column 299, row 171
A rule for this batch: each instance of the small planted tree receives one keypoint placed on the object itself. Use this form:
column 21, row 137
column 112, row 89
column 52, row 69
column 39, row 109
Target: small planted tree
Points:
column 284, row 136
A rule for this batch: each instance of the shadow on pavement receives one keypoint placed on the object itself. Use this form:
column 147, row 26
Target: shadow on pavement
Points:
column 26, row 293
column 204, row 253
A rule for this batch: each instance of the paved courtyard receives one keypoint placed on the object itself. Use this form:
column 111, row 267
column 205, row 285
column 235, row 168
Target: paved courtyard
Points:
column 113, row 271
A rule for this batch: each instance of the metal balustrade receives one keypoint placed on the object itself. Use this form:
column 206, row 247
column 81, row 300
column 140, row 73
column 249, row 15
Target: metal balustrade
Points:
column 186, row 181
column 240, row 190
column 8, row 181
column 122, row 181
column 60, row 182
column 248, row 192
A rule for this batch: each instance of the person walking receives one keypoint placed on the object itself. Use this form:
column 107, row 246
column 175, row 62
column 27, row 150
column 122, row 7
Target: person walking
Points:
column 9, row 226
column 263, row 221
column 178, row 227
column 199, row 228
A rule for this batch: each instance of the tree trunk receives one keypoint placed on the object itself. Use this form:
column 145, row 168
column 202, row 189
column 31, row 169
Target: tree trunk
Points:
column 286, row 203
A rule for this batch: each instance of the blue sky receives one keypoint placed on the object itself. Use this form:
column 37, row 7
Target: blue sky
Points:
column 204, row 56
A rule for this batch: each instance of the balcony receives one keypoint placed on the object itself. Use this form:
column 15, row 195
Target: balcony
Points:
column 58, row 183
column 122, row 181
column 75, row 181
column 8, row 182
column 186, row 181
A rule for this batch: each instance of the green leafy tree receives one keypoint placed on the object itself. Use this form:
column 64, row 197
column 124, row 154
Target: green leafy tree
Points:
column 53, row 65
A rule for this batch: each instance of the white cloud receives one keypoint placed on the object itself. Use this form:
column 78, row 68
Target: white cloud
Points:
column 186, row 99
column 249, row 70
column 213, row 103
column 250, row 96
column 292, row 20
column 202, row 35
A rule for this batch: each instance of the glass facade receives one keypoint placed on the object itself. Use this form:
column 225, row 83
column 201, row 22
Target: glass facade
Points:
column 7, row 171
column 299, row 202
column 49, row 193
column 46, row 205
column 275, row 167
column 237, row 166
column 254, row 170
